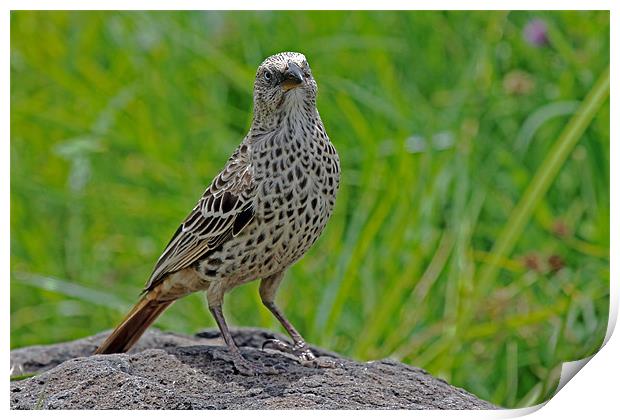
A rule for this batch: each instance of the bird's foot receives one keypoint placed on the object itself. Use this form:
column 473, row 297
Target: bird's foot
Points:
column 243, row 365
column 302, row 352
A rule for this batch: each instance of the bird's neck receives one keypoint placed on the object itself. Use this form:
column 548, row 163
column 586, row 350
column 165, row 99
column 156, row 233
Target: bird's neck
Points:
column 291, row 117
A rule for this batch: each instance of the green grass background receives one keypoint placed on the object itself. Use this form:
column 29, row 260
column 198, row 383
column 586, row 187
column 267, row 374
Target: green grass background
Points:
column 471, row 232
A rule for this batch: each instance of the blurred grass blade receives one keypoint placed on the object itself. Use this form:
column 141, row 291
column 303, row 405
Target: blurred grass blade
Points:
column 538, row 118
column 22, row 377
column 417, row 295
column 543, row 178
column 70, row 289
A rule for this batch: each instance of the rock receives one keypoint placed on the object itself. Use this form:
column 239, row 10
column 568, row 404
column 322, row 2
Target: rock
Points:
column 173, row 371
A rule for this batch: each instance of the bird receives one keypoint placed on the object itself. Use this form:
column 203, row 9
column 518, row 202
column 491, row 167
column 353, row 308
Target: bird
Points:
column 260, row 214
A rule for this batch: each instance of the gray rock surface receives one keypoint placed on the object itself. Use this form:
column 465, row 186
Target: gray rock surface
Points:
column 173, row 371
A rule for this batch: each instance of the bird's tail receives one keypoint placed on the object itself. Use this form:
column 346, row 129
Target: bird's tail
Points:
column 133, row 326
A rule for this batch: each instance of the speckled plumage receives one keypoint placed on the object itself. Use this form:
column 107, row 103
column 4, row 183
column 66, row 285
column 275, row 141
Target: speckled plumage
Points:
column 272, row 199
column 268, row 205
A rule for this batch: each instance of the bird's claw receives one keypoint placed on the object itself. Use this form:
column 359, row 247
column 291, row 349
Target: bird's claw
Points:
column 302, row 352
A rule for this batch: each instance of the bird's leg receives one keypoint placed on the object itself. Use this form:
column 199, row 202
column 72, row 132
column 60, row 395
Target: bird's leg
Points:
column 267, row 290
column 243, row 365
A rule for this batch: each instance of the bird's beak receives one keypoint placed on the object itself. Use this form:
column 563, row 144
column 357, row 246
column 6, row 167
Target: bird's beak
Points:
column 293, row 77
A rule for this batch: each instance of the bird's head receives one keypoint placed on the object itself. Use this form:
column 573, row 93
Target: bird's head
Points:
column 283, row 81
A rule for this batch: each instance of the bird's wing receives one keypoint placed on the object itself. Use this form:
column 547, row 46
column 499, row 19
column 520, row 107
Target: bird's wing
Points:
column 225, row 208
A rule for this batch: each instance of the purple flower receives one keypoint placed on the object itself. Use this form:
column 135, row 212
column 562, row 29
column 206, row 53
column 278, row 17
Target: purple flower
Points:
column 535, row 32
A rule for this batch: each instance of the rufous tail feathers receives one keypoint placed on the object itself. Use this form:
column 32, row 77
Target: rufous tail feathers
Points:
column 133, row 326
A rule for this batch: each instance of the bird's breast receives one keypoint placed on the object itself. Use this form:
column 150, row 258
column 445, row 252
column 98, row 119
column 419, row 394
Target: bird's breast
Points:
column 297, row 185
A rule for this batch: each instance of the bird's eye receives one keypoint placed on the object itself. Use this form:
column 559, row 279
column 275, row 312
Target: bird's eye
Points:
column 268, row 76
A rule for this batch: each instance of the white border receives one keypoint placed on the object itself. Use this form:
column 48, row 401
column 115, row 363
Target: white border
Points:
column 592, row 393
